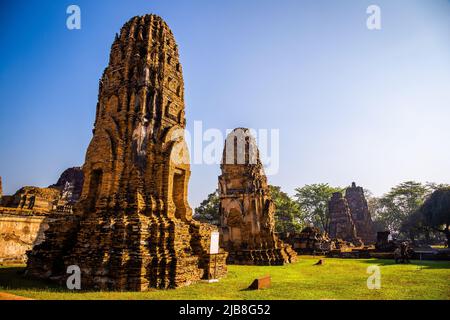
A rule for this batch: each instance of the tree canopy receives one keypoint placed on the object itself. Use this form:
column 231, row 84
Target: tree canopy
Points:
column 288, row 214
column 208, row 211
column 397, row 205
column 436, row 212
column 313, row 199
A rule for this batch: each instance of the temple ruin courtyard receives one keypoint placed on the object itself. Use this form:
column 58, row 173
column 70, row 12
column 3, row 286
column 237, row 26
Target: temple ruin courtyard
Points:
column 120, row 226
column 336, row 279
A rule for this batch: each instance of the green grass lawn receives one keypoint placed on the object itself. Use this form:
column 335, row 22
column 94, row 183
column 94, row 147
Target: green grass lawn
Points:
column 336, row 279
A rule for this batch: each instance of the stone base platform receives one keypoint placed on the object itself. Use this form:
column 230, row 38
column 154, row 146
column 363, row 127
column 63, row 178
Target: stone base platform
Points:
column 127, row 252
column 263, row 257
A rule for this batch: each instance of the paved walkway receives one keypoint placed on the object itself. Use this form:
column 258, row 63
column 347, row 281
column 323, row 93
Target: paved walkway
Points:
column 8, row 296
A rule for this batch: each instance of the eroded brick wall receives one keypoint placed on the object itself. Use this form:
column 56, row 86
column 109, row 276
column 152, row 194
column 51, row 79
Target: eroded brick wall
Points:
column 19, row 232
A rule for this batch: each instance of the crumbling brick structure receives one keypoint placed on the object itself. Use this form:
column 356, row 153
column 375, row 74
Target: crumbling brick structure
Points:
column 133, row 228
column 59, row 197
column 246, row 208
column 25, row 216
column 70, row 183
column 310, row 240
column 341, row 222
column 360, row 214
column 33, row 198
column 350, row 218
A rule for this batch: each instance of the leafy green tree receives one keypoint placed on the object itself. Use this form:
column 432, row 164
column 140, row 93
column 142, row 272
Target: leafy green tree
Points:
column 414, row 227
column 373, row 204
column 436, row 212
column 208, row 211
column 395, row 207
column 288, row 215
column 437, row 186
column 313, row 199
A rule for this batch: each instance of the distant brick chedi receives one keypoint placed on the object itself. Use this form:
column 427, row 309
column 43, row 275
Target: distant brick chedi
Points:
column 360, row 214
column 247, row 222
column 341, row 222
column 350, row 218
column 132, row 228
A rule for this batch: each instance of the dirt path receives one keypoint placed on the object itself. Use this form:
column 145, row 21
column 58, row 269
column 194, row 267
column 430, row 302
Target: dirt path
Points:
column 8, row 296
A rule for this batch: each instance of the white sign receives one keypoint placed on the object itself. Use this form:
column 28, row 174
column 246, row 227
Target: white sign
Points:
column 214, row 247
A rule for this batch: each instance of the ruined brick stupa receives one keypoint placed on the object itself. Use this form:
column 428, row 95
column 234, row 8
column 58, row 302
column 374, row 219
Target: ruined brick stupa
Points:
column 246, row 209
column 132, row 228
column 360, row 214
column 350, row 218
column 341, row 222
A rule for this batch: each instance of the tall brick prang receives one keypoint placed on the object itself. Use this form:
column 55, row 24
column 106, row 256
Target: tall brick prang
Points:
column 133, row 228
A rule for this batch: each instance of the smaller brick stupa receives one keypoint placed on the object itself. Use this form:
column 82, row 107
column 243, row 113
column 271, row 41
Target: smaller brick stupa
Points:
column 247, row 222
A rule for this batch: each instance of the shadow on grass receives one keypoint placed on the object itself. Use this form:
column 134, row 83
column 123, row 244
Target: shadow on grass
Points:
column 425, row 264
column 12, row 278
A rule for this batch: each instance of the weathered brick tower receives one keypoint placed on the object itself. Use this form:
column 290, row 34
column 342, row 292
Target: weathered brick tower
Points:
column 341, row 222
column 360, row 214
column 133, row 228
column 246, row 208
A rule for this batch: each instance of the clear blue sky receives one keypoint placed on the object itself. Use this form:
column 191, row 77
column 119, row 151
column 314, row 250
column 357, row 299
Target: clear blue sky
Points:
column 351, row 104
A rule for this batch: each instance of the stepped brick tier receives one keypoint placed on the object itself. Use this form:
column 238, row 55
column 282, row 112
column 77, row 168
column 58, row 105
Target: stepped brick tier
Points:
column 246, row 209
column 341, row 222
column 360, row 214
column 132, row 228
column 33, row 198
column 310, row 241
column 58, row 197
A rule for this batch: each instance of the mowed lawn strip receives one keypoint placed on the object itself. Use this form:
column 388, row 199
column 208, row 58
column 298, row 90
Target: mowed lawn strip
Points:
column 336, row 279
